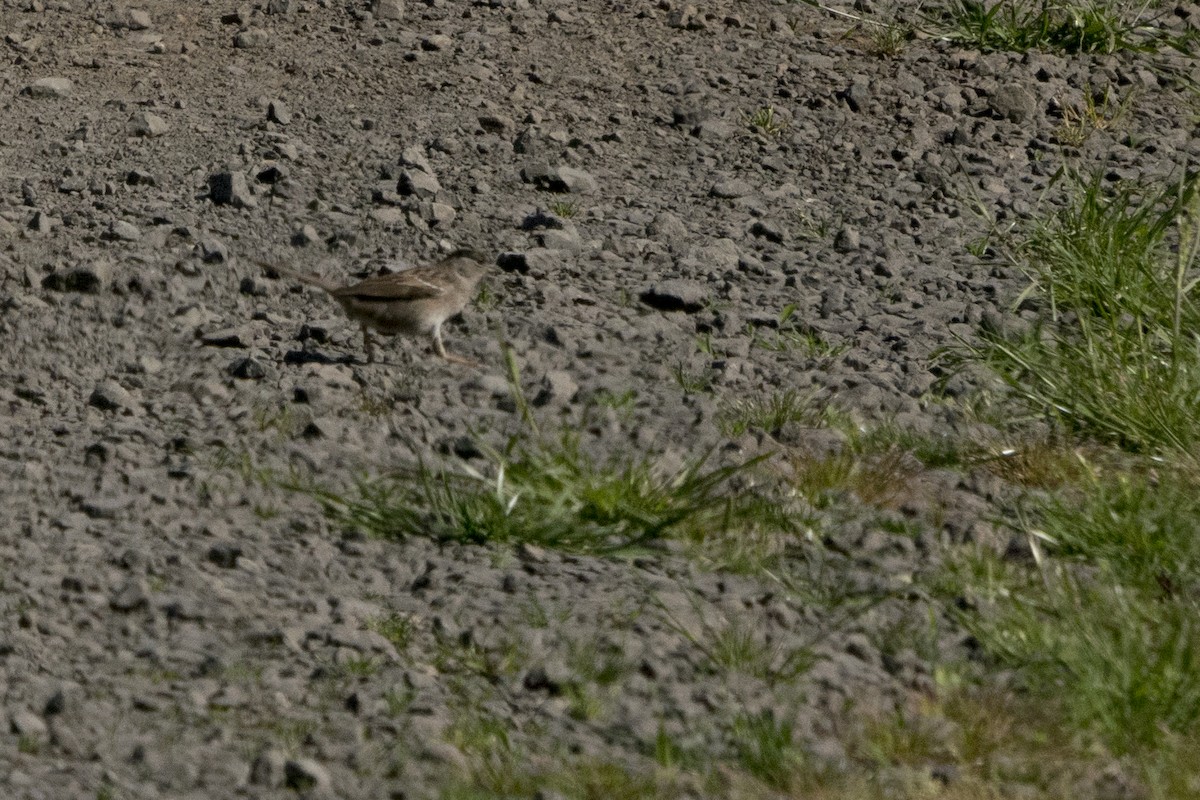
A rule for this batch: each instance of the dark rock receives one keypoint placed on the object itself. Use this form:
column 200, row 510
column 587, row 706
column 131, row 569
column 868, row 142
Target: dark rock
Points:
column 248, row 368
column 675, row 295
column 230, row 188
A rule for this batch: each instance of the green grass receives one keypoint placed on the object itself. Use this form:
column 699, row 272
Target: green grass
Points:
column 770, row 414
column 765, row 120
column 1099, row 112
column 1105, row 620
column 396, row 628
column 1095, row 626
column 551, row 493
column 1114, row 355
column 765, row 748
column 1064, row 26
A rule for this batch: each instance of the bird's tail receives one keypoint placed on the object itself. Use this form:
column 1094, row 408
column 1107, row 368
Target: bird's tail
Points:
column 304, row 277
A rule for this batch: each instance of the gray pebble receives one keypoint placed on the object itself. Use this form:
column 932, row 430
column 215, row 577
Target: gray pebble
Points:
column 306, row 775
column 111, row 396
column 388, row 9
column 26, row 723
column 50, row 87
column 90, row 278
column 251, row 38
column 675, row 295
column 131, row 596
column 124, row 231
column 147, row 124
column 277, row 111
column 231, row 188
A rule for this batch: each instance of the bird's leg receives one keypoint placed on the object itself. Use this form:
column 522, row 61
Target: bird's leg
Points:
column 438, row 347
column 368, row 345
column 441, row 350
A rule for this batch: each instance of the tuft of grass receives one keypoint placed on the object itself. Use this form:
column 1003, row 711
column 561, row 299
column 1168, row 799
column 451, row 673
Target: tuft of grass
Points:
column 1103, row 621
column 563, row 208
column 693, row 381
column 889, row 39
column 1115, row 355
column 880, row 479
column 553, row 494
column 396, row 628
column 1099, row 112
column 1066, row 26
column 765, row 121
column 765, row 748
column 770, row 414
column 738, row 647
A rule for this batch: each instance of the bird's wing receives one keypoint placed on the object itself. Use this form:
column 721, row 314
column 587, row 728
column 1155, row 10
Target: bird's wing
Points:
column 409, row 285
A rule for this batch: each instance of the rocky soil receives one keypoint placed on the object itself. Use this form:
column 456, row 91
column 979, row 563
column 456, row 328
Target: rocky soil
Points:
column 691, row 207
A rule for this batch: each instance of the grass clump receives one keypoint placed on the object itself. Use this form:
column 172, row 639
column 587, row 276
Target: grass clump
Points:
column 1103, row 621
column 1066, row 26
column 770, row 414
column 766, row 121
column 766, row 749
column 1115, row 355
column 1099, row 112
column 551, row 493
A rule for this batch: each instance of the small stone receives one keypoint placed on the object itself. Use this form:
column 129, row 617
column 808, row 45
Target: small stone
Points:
column 50, row 87
column 278, row 112
column 436, row 42
column 558, row 386
column 248, row 368
column 559, row 179
column 536, row 261
column 689, row 115
column 1013, row 103
column 130, row 597
column 133, row 19
column 89, row 278
column 251, row 38
column 226, row 337
column 111, row 396
column 279, row 7
column 438, row 214
column 211, row 250
column 140, row 177
column 305, row 775
column 268, row 768
column 764, row 229
column 105, row 506
column 225, row 554
column 675, row 295
column 496, row 123
column 42, row 222
column 418, row 183
column 147, row 124
column 730, row 189
column 388, row 9
column 414, row 156
column 305, row 236
column 389, row 216
column 26, row 723
column 847, row 240
column 123, row 231
column 271, row 173
column 230, row 188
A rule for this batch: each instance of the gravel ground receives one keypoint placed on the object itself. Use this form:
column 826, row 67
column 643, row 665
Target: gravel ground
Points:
column 173, row 627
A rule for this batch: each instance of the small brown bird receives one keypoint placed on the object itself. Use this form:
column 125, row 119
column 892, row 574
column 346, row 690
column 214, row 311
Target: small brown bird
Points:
column 413, row 302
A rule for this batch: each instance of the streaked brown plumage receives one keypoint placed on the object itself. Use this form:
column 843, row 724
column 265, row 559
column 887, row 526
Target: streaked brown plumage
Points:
column 413, row 302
